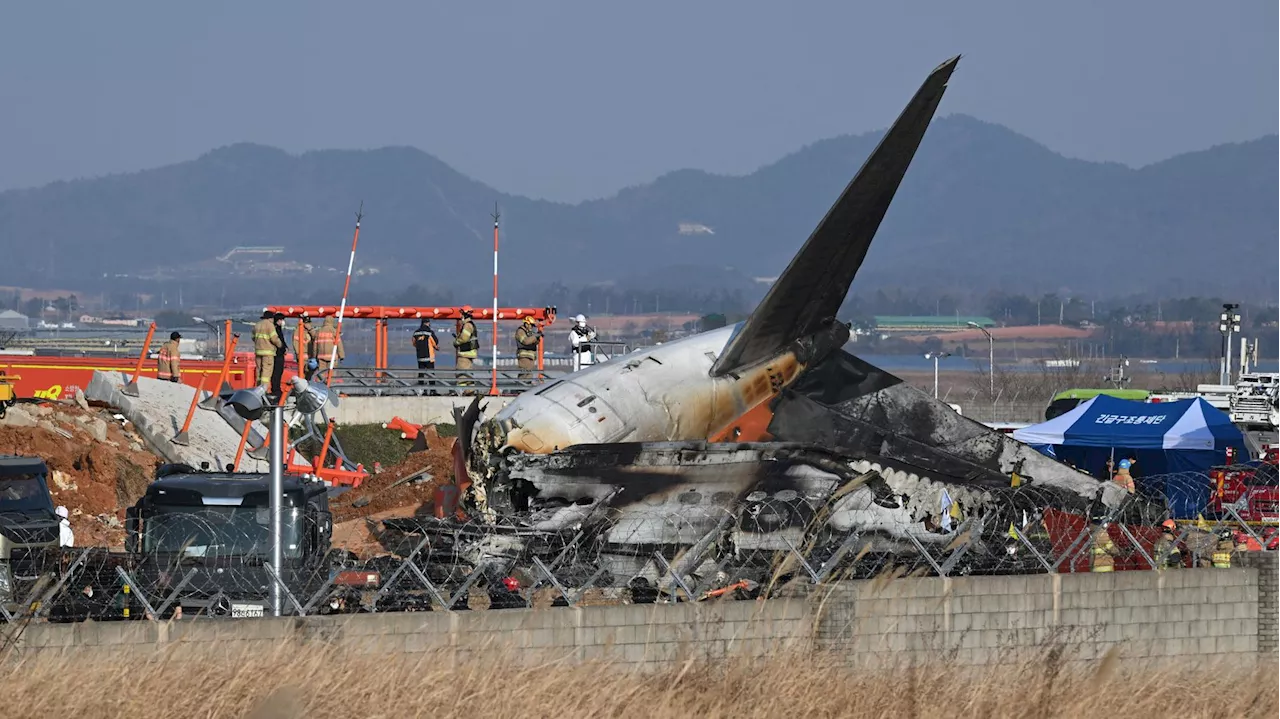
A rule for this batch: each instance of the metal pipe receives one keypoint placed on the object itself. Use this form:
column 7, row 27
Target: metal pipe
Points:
column 493, row 386
column 276, row 503
column 346, row 287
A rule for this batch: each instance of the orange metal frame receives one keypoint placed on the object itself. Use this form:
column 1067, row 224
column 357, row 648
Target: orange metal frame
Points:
column 383, row 314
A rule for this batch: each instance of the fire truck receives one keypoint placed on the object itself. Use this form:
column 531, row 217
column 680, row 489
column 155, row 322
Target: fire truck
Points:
column 1249, row 488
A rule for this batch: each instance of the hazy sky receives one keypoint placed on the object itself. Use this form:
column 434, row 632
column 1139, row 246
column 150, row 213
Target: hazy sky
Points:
column 574, row 100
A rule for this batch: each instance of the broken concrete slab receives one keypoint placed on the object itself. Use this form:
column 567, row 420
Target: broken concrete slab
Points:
column 158, row 413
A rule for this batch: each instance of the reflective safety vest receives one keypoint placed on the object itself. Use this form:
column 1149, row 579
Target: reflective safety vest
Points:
column 263, row 334
column 467, row 347
column 1102, row 561
column 526, row 343
column 167, row 360
column 1222, row 559
column 326, row 340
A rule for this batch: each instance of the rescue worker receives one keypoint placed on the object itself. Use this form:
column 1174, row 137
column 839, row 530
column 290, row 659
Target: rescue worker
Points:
column 302, row 345
column 1123, row 477
column 528, row 337
column 277, row 370
column 169, row 360
column 506, row 595
column 580, row 338
column 1103, row 550
column 1222, row 553
column 326, row 341
column 66, row 537
column 425, row 343
column 466, row 342
column 265, row 342
column 1168, row 555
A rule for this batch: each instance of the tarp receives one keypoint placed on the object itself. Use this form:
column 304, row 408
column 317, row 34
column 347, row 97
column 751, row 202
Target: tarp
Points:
column 1186, row 436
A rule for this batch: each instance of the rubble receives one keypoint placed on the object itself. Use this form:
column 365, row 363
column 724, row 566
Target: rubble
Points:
column 414, row 496
column 100, row 470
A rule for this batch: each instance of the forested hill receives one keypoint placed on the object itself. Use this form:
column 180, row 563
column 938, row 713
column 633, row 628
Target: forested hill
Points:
column 982, row 207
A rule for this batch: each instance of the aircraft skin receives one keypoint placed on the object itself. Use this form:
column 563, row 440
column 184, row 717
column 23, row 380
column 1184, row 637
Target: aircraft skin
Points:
column 698, row 387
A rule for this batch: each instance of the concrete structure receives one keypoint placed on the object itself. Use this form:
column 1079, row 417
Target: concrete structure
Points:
column 418, row 410
column 1186, row 614
column 159, row 411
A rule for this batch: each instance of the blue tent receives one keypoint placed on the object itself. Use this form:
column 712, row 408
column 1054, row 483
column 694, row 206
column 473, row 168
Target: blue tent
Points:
column 1189, row 435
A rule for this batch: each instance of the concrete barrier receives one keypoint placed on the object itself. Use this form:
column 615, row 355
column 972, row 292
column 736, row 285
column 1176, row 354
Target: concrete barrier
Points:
column 418, row 410
column 1188, row 614
column 158, row 412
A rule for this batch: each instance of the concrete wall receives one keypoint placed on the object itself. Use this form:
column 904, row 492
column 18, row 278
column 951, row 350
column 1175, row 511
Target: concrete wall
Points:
column 647, row 634
column 1268, row 589
column 418, row 410
column 979, row 620
column 1202, row 614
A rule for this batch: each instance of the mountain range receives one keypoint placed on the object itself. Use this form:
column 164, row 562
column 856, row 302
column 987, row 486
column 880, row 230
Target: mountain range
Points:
column 981, row 207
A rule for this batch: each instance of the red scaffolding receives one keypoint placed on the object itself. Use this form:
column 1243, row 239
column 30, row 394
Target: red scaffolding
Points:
column 383, row 314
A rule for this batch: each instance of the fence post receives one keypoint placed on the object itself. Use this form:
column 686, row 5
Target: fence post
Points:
column 182, row 437
column 131, row 389
column 214, row 401
column 244, row 437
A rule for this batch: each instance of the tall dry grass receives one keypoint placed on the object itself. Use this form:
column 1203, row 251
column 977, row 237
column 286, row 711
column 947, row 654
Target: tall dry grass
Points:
column 320, row 682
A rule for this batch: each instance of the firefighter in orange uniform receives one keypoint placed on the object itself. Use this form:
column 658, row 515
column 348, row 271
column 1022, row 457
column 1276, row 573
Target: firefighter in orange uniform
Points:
column 265, row 342
column 326, row 341
column 169, row 360
column 302, row 344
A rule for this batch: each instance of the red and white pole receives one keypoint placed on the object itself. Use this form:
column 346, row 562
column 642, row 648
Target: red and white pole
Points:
column 493, row 387
column 346, row 287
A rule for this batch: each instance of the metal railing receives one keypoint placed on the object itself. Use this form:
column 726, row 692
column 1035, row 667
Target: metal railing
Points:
column 405, row 382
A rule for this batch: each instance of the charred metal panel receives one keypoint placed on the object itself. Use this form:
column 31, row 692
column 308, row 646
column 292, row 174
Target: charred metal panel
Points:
column 858, row 410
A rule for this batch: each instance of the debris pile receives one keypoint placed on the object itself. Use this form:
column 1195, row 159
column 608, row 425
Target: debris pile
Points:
column 97, row 464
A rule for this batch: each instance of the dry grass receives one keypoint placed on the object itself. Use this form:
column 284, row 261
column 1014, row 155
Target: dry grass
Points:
column 319, row 682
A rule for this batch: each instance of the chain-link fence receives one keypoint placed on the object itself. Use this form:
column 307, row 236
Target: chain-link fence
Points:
column 204, row 561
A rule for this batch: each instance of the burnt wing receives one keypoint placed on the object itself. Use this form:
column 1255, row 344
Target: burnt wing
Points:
column 814, row 285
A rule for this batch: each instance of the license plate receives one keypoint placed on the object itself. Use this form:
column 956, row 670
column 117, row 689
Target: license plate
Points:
column 246, row 610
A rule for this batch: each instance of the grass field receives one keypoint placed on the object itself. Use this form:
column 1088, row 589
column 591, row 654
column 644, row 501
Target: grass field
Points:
column 318, row 682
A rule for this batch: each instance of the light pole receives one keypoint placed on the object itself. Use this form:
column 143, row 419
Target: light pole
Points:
column 935, row 356
column 251, row 404
column 991, row 355
column 1228, row 323
column 216, row 330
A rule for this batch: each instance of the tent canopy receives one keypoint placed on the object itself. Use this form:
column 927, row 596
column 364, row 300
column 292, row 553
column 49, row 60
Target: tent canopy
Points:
column 1165, row 438
column 1190, row 424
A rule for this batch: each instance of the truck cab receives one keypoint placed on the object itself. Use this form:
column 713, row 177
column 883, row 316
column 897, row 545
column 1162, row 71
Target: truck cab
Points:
column 28, row 524
column 219, row 524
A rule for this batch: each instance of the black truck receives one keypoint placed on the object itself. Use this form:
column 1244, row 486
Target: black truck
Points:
column 28, row 526
column 218, row 525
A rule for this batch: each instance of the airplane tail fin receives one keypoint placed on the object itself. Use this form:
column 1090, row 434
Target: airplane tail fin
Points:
column 809, row 293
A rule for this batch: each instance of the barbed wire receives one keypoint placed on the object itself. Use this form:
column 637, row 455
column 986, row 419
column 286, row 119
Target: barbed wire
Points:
column 215, row 561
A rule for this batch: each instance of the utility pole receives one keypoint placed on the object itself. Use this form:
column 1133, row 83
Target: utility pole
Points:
column 493, row 388
column 935, row 356
column 991, row 355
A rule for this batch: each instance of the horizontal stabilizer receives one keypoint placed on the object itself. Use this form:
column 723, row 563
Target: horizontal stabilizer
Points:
column 809, row 293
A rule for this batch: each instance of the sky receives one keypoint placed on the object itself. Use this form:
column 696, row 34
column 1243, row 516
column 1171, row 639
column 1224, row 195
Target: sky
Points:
column 576, row 100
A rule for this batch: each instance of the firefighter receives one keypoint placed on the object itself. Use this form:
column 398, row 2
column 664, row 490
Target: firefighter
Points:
column 277, row 370
column 302, row 344
column 169, row 360
column 1168, row 555
column 425, row 343
column 580, row 338
column 327, row 341
column 1103, row 550
column 1222, row 553
column 466, row 341
column 1123, row 477
column 528, row 337
column 265, row 342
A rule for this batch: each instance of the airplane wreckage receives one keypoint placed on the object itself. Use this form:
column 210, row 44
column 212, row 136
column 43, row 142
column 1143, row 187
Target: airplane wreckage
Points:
column 762, row 438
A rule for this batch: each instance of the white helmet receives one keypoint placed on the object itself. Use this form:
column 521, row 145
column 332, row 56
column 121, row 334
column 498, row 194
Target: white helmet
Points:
column 580, row 319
